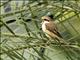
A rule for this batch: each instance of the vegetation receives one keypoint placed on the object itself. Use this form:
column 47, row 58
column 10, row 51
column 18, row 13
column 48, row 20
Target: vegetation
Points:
column 21, row 34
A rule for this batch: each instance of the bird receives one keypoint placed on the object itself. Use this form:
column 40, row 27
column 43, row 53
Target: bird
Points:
column 50, row 28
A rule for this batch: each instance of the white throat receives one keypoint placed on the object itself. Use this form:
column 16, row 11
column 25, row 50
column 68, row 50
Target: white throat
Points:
column 44, row 26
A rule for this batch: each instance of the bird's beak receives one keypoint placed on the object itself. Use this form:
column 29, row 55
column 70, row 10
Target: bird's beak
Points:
column 42, row 17
column 42, row 21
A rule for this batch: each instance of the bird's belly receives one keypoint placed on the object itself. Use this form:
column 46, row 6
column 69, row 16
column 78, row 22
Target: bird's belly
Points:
column 47, row 31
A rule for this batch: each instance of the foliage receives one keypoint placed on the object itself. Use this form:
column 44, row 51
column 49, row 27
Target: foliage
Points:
column 22, row 37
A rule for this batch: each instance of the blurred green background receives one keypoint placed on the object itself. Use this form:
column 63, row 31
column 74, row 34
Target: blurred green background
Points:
column 21, row 34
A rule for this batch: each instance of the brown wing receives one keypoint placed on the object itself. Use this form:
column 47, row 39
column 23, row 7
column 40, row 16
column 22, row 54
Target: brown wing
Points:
column 52, row 28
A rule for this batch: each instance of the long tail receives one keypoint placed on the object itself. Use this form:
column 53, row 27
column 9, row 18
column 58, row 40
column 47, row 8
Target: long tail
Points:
column 59, row 38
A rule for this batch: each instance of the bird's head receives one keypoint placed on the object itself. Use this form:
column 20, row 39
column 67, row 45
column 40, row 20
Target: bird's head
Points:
column 46, row 18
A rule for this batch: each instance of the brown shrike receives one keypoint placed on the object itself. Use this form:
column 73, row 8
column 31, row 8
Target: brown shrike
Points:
column 50, row 28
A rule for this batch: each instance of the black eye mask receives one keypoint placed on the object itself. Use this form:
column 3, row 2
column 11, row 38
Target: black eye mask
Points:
column 46, row 19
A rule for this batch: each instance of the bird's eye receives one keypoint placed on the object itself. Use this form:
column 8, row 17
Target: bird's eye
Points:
column 45, row 19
